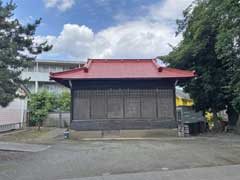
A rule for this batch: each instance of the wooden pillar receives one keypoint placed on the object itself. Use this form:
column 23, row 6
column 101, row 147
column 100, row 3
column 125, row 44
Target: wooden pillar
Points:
column 174, row 101
column 71, row 105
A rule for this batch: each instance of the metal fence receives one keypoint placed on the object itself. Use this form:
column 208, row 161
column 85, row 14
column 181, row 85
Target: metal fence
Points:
column 8, row 127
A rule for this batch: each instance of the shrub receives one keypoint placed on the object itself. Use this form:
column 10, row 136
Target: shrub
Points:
column 64, row 100
column 40, row 104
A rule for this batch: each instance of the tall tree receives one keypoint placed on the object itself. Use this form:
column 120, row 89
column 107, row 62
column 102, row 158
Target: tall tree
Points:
column 228, row 51
column 209, row 47
column 17, row 51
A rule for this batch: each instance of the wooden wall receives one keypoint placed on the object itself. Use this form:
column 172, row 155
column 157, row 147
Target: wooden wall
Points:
column 108, row 109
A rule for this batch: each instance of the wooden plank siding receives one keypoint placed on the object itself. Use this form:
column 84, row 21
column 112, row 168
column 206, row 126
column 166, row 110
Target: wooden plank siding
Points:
column 109, row 109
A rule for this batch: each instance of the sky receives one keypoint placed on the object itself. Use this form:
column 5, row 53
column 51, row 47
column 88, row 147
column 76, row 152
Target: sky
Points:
column 82, row 29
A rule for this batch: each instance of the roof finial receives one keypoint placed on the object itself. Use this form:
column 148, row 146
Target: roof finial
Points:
column 160, row 69
column 85, row 69
column 87, row 65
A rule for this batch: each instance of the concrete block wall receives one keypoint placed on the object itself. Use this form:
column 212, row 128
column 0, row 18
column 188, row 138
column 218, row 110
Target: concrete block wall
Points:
column 57, row 119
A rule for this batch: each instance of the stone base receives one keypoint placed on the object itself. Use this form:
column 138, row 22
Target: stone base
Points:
column 149, row 133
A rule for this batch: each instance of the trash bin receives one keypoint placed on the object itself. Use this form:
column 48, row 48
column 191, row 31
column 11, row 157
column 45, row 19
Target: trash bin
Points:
column 66, row 134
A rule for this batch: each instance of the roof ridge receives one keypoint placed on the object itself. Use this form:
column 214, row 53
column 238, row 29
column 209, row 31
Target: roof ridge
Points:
column 66, row 71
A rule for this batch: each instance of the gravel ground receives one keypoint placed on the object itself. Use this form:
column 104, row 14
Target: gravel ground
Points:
column 74, row 159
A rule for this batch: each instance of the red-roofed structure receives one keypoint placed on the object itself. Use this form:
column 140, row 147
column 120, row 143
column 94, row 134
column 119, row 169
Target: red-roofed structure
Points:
column 122, row 94
column 122, row 69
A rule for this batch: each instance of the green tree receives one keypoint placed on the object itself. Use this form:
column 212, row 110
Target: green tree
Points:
column 210, row 46
column 17, row 50
column 39, row 105
column 228, row 51
column 64, row 101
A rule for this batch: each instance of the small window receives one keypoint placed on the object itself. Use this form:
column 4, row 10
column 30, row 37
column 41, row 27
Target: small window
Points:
column 31, row 69
column 59, row 68
column 43, row 68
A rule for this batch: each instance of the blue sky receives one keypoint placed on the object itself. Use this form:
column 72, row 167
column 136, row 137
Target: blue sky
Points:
column 81, row 29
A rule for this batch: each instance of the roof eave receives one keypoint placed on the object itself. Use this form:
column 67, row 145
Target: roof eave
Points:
column 125, row 78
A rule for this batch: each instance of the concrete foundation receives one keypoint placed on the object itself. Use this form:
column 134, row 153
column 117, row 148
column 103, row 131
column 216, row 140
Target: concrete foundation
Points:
column 150, row 133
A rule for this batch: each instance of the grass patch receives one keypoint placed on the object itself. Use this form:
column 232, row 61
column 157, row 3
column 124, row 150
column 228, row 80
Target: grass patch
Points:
column 25, row 136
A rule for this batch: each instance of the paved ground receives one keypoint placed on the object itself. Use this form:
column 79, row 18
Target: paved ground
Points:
column 205, row 173
column 10, row 146
column 76, row 159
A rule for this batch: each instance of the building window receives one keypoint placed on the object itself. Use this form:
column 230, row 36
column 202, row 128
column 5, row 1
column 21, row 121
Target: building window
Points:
column 31, row 69
column 51, row 87
column 43, row 68
column 55, row 68
column 59, row 68
column 31, row 87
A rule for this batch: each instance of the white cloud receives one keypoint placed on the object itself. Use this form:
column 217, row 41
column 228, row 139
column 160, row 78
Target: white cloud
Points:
column 50, row 3
column 145, row 37
column 169, row 9
column 62, row 5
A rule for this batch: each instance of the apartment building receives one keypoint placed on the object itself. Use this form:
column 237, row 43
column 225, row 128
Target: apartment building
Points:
column 14, row 115
column 39, row 74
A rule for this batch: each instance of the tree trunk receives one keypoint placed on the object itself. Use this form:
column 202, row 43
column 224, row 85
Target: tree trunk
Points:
column 232, row 116
column 39, row 126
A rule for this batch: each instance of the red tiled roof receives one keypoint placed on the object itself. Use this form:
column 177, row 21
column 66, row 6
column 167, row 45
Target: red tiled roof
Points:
column 122, row 69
